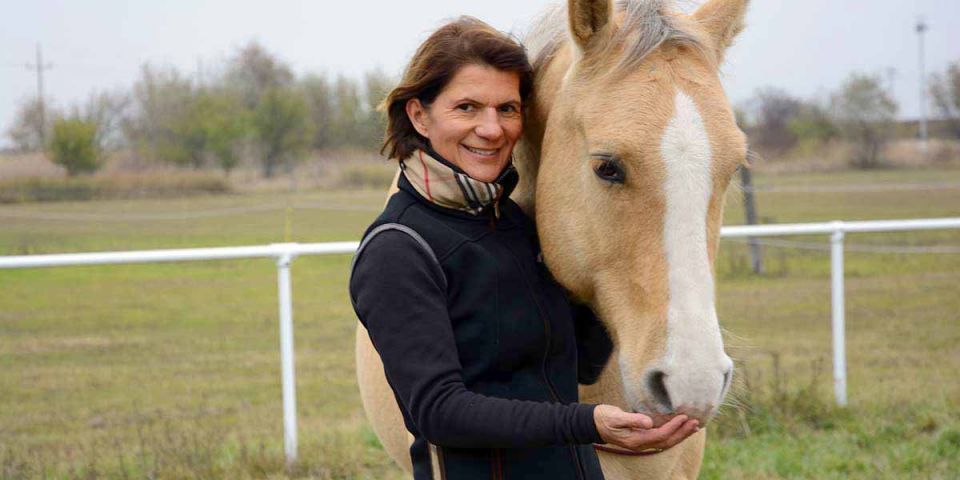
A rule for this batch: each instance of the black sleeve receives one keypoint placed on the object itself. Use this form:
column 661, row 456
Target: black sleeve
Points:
column 593, row 344
column 399, row 296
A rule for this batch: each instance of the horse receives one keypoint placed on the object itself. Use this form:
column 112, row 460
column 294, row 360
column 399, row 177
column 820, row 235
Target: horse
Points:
column 628, row 148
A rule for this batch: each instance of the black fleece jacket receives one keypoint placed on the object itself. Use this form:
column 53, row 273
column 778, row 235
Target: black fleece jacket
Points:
column 479, row 345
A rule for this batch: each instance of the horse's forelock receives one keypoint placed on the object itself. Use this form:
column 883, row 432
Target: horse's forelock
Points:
column 645, row 26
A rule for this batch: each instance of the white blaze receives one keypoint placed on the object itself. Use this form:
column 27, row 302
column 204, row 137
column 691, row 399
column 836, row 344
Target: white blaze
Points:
column 694, row 361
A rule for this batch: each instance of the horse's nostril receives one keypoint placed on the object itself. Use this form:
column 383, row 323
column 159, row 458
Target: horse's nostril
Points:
column 728, row 374
column 655, row 382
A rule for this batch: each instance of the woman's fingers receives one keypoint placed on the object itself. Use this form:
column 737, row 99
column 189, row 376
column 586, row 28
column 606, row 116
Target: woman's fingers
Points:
column 637, row 421
column 614, row 417
column 688, row 428
column 635, row 430
column 657, row 437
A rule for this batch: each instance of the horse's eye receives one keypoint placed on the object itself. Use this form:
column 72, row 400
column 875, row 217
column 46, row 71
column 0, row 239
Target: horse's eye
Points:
column 610, row 170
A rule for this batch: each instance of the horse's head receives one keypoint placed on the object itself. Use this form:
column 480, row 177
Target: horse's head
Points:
column 638, row 146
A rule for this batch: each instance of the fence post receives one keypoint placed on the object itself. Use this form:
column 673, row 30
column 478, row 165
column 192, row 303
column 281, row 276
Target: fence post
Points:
column 838, row 315
column 286, row 358
column 750, row 208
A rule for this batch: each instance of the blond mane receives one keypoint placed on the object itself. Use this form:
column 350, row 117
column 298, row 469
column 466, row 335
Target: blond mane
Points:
column 644, row 25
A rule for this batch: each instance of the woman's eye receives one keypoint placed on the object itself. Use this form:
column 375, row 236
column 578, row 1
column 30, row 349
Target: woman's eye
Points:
column 610, row 171
column 509, row 109
column 466, row 107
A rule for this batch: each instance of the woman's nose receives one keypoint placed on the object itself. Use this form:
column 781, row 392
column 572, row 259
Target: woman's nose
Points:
column 489, row 127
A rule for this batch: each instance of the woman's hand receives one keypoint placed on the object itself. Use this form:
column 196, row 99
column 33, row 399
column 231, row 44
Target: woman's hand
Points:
column 634, row 431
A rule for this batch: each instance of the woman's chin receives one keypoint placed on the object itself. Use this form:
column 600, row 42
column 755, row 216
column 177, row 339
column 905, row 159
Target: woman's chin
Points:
column 485, row 173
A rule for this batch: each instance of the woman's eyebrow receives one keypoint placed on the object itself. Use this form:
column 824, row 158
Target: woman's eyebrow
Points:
column 478, row 102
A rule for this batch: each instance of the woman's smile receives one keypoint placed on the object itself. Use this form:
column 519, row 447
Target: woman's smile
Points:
column 482, row 153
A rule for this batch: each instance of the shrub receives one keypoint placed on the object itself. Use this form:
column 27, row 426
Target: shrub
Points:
column 74, row 145
column 44, row 189
column 864, row 115
column 366, row 175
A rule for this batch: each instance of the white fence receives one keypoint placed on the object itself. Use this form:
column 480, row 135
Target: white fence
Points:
column 284, row 253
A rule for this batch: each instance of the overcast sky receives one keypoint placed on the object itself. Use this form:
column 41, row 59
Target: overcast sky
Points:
column 805, row 47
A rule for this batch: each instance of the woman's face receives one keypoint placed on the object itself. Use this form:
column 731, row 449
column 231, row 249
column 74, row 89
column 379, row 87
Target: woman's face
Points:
column 475, row 121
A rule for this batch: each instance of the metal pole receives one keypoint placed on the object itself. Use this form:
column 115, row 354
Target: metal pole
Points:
column 838, row 320
column 921, row 29
column 39, row 67
column 43, row 114
column 286, row 359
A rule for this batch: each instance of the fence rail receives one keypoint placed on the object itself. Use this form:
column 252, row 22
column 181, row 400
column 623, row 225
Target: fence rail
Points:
column 284, row 253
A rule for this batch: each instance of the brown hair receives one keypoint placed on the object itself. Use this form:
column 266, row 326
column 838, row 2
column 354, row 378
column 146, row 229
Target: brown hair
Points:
column 464, row 41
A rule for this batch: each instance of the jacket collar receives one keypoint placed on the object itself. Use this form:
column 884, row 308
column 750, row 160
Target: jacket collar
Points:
column 446, row 185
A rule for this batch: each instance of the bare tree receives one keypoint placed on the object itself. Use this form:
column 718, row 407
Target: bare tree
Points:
column 106, row 111
column 254, row 71
column 945, row 95
column 864, row 114
column 27, row 132
column 377, row 85
column 348, row 114
column 160, row 100
column 320, row 103
column 812, row 125
column 771, row 110
column 282, row 127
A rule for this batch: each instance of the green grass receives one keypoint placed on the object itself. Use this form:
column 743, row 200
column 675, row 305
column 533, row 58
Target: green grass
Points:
column 172, row 371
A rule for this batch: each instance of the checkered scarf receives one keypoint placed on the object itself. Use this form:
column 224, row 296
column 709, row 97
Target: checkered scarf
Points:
column 446, row 185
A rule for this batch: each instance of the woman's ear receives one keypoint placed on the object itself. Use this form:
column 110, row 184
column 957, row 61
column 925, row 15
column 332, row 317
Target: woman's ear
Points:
column 418, row 116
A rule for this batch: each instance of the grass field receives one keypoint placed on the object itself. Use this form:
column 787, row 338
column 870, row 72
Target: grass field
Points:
column 172, row 370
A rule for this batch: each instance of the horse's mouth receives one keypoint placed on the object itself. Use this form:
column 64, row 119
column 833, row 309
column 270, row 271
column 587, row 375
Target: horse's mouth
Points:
column 703, row 417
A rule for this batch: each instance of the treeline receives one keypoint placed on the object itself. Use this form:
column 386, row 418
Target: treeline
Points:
column 254, row 107
column 861, row 112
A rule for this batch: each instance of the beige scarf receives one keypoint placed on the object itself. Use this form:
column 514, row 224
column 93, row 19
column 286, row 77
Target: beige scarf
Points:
column 446, row 185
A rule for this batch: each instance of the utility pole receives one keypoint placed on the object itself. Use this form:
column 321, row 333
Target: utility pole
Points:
column 39, row 67
column 921, row 29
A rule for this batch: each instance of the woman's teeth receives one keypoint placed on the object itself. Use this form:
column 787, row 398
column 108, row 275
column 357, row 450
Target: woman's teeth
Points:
column 486, row 153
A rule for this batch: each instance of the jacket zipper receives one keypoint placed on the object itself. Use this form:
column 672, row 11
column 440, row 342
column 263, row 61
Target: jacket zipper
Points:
column 581, row 473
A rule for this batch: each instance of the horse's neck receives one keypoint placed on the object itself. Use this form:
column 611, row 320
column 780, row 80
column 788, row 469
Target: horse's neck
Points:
column 608, row 388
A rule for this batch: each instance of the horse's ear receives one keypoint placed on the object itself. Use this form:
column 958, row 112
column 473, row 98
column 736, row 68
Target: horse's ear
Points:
column 588, row 18
column 723, row 20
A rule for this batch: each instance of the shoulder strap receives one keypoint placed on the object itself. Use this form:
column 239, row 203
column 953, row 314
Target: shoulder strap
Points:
column 405, row 229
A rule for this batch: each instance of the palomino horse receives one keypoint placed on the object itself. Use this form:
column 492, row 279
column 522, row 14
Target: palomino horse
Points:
column 628, row 148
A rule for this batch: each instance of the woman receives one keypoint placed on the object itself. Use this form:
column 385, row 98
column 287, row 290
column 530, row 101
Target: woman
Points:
column 478, row 341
